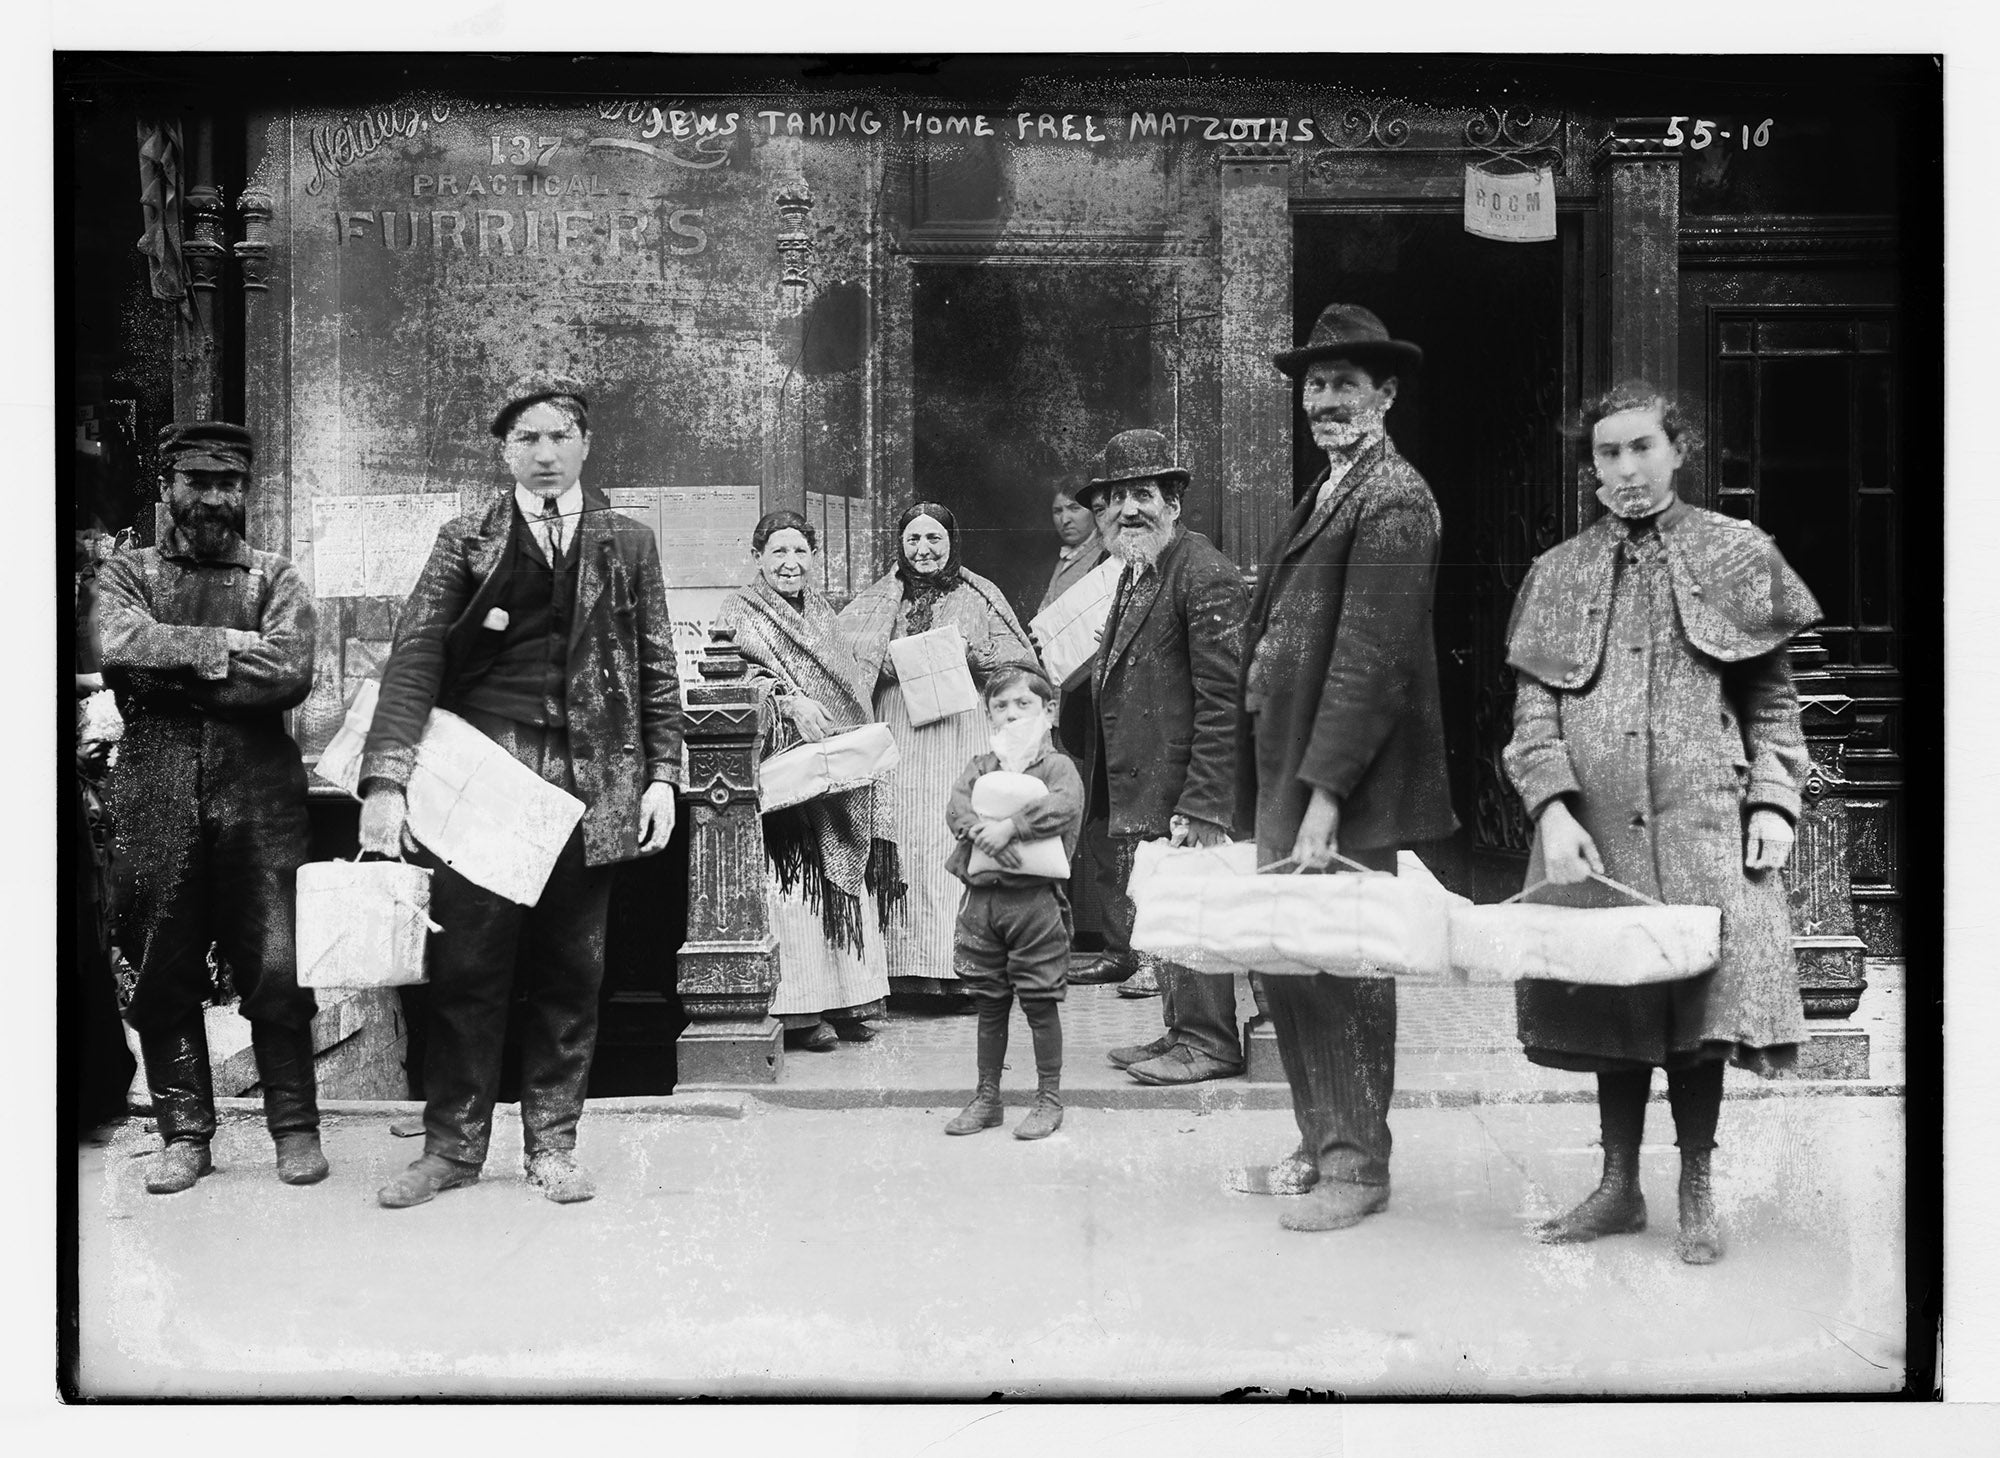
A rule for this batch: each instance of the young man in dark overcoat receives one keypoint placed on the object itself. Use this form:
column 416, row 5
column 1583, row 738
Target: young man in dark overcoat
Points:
column 1340, row 744
column 542, row 620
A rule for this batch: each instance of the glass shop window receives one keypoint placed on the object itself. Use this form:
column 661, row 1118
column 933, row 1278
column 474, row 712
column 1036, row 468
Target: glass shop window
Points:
column 1803, row 415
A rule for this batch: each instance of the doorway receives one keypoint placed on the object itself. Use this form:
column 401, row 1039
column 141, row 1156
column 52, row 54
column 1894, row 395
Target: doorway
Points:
column 1022, row 370
column 1482, row 421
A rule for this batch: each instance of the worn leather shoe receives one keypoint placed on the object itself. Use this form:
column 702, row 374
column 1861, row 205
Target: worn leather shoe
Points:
column 430, row 1176
column 982, row 1113
column 300, row 1160
column 178, row 1166
column 819, row 1038
column 853, row 1030
column 1292, row 1175
column 1334, row 1205
column 1095, row 967
column 1699, row 1239
column 1133, row 1053
column 1143, row 983
column 1606, row 1210
column 1043, row 1119
column 561, row 1178
column 1182, row 1064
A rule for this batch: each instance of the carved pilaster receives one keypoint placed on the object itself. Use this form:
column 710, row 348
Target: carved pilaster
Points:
column 728, row 966
column 785, row 435
column 198, row 343
column 1829, row 953
column 1642, row 213
column 1255, row 421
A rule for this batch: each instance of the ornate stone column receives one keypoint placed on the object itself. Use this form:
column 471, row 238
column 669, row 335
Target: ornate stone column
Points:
column 728, row 966
column 785, row 442
column 1829, row 953
column 1642, row 219
column 198, row 343
column 1255, row 247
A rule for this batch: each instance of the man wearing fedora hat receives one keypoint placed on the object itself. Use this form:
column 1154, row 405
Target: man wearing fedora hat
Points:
column 207, row 642
column 542, row 620
column 1340, row 745
column 1162, row 759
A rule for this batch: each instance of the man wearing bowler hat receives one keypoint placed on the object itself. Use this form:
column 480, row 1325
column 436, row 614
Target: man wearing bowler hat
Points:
column 542, row 620
column 1340, row 745
column 1162, row 759
column 207, row 642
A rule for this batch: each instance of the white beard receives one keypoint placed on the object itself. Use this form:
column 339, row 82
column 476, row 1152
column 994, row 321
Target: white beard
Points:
column 1143, row 549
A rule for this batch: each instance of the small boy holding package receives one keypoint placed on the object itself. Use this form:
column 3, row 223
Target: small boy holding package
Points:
column 1014, row 928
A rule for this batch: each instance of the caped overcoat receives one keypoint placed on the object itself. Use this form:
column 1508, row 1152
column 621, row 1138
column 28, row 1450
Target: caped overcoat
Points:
column 1665, row 713
column 623, row 698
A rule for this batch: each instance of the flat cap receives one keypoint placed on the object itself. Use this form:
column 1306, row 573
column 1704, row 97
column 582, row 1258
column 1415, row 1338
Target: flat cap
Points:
column 532, row 389
column 205, row 445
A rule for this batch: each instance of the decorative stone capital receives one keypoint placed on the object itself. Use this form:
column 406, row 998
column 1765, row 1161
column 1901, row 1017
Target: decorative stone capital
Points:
column 253, row 252
column 794, row 201
column 203, row 248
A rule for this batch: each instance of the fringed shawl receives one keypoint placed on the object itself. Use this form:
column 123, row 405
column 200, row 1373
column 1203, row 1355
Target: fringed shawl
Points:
column 1736, row 596
column 833, row 848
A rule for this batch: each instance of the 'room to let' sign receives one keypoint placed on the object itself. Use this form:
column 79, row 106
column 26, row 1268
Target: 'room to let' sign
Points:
column 1515, row 207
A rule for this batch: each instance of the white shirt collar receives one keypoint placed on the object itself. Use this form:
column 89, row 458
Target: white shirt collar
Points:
column 569, row 506
column 1337, row 467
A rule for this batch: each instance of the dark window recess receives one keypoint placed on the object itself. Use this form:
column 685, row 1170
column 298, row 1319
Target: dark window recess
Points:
column 1803, row 413
column 963, row 180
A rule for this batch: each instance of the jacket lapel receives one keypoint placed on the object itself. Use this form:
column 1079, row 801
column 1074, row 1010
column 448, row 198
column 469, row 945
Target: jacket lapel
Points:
column 1322, row 512
column 484, row 550
column 1145, row 592
column 594, row 547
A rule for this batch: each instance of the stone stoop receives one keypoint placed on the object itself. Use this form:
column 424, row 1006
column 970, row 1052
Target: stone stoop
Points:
column 358, row 1047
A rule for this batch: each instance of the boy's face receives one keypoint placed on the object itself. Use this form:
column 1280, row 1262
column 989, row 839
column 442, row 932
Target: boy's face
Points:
column 1013, row 704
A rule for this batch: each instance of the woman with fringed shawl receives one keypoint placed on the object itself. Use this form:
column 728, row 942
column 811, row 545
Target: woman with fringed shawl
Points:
column 833, row 858
column 929, row 589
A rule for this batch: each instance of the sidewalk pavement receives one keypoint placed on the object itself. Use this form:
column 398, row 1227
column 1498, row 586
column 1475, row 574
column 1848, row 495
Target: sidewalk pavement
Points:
column 739, row 1246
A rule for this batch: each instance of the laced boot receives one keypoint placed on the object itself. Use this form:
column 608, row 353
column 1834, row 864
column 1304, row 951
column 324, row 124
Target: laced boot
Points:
column 1699, row 1242
column 1615, row 1207
column 982, row 1113
column 177, row 1073
column 291, row 1105
column 1043, row 1119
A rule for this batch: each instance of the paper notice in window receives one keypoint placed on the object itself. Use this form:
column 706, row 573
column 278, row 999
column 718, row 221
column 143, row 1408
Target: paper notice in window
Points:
column 375, row 546
column 1067, row 629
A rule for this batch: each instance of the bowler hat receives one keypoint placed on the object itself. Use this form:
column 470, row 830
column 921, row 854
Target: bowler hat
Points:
column 205, row 445
column 1134, row 455
column 1348, row 331
column 532, row 389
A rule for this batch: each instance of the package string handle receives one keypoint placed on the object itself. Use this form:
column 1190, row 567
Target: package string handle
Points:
column 1639, row 898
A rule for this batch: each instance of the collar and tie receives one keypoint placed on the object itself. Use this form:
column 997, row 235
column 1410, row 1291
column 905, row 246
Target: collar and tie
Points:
column 551, row 524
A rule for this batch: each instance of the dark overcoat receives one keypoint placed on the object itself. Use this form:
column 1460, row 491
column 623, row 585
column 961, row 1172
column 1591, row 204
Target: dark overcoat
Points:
column 623, row 699
column 1349, row 679
column 1165, row 687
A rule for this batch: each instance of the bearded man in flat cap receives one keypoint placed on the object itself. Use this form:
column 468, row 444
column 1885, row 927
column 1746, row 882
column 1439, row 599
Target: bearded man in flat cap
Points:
column 1341, row 745
column 207, row 642
column 542, row 620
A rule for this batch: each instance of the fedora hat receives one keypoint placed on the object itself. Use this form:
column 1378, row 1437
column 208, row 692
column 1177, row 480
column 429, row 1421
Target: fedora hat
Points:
column 1134, row 455
column 1348, row 331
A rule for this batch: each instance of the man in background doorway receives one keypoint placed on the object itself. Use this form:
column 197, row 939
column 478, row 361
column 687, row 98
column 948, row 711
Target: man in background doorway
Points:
column 1082, row 551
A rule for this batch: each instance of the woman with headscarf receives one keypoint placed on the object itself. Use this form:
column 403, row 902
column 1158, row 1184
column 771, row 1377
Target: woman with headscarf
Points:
column 833, row 858
column 929, row 589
